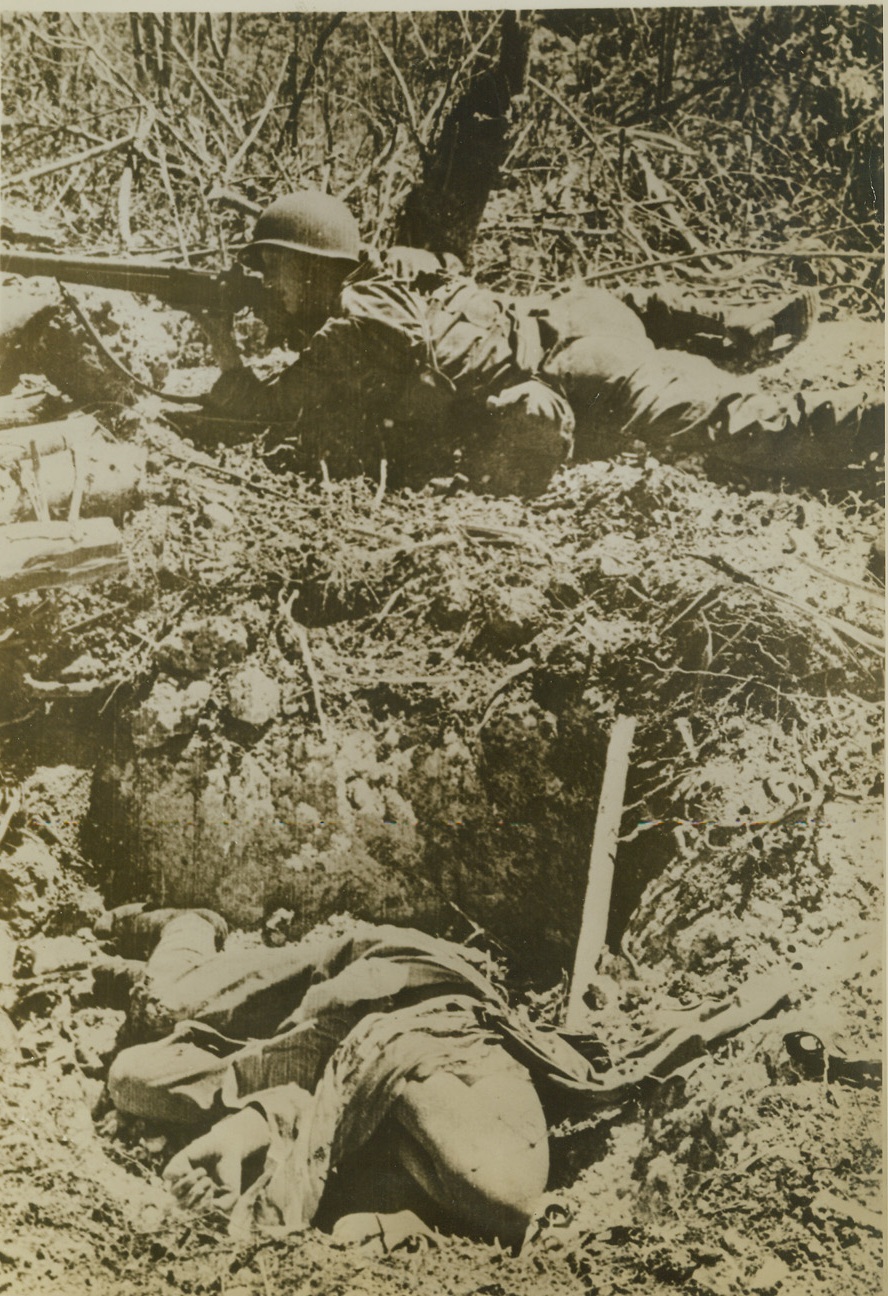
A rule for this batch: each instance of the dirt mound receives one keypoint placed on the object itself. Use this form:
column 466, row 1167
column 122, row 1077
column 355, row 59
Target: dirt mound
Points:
column 306, row 698
column 320, row 699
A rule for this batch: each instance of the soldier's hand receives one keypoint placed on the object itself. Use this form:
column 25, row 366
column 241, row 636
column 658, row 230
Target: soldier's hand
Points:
column 219, row 329
column 536, row 402
column 208, row 1172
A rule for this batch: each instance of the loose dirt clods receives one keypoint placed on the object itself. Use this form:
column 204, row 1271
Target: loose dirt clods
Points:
column 310, row 699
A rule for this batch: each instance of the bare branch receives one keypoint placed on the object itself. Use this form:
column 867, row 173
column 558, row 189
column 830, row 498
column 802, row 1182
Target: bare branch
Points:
column 73, row 160
column 290, row 125
column 261, row 119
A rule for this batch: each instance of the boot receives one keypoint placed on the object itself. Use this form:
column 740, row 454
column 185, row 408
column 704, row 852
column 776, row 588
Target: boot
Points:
column 760, row 333
column 737, row 338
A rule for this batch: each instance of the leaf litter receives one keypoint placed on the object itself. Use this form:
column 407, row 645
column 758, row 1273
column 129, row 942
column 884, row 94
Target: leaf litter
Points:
column 317, row 697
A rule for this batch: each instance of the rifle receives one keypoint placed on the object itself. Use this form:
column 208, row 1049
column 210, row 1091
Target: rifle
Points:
column 181, row 287
column 185, row 288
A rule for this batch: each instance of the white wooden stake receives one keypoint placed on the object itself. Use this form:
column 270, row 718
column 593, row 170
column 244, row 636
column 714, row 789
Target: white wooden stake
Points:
column 596, row 906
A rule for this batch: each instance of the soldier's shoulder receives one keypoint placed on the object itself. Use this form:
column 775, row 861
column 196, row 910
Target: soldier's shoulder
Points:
column 380, row 299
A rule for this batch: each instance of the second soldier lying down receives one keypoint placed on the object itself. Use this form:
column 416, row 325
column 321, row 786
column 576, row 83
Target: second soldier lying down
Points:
column 359, row 1075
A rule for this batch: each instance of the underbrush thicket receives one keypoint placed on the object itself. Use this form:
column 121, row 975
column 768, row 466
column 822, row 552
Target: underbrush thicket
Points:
column 640, row 134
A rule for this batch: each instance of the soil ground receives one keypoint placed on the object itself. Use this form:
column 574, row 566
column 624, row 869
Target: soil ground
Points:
column 308, row 698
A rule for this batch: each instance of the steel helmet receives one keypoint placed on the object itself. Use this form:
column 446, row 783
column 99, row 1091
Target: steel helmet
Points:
column 309, row 221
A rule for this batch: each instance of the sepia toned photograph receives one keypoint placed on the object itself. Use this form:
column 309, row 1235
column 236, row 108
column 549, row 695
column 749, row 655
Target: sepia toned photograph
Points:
column 442, row 603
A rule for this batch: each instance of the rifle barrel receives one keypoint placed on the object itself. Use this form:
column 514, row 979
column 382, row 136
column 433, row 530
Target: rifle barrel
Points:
column 180, row 286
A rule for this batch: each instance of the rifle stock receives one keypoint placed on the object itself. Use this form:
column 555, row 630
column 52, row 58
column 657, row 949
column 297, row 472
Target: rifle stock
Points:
column 181, row 287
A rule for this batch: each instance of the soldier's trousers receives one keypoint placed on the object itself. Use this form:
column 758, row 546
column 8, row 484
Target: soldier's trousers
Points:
column 623, row 389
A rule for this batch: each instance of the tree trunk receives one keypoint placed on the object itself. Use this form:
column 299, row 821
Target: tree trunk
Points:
column 443, row 211
column 291, row 125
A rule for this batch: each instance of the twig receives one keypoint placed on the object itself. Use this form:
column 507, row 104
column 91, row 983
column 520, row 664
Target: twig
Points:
column 659, row 193
column 63, row 164
column 512, row 674
column 746, row 680
column 412, row 119
column 124, row 679
column 171, row 197
column 878, row 596
column 114, row 75
column 393, row 599
column 79, row 483
column 38, row 478
column 380, row 489
column 211, row 38
column 308, row 76
column 574, row 116
column 596, row 906
column 263, row 1270
column 862, row 1216
column 207, row 92
column 503, row 535
column 261, row 119
column 373, row 533
column 80, row 626
column 801, row 254
column 43, row 506
column 432, row 118
column 227, row 473
column 60, row 689
column 124, row 198
column 551, row 227
column 13, row 806
column 22, row 719
column 605, row 161
column 301, row 635
column 686, row 733
column 407, row 548
column 830, row 624
column 693, row 606
column 656, row 137
column 125, row 189
column 630, row 958
column 643, row 827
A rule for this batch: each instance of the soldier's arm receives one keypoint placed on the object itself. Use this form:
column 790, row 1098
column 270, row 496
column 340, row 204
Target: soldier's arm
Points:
column 312, row 381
